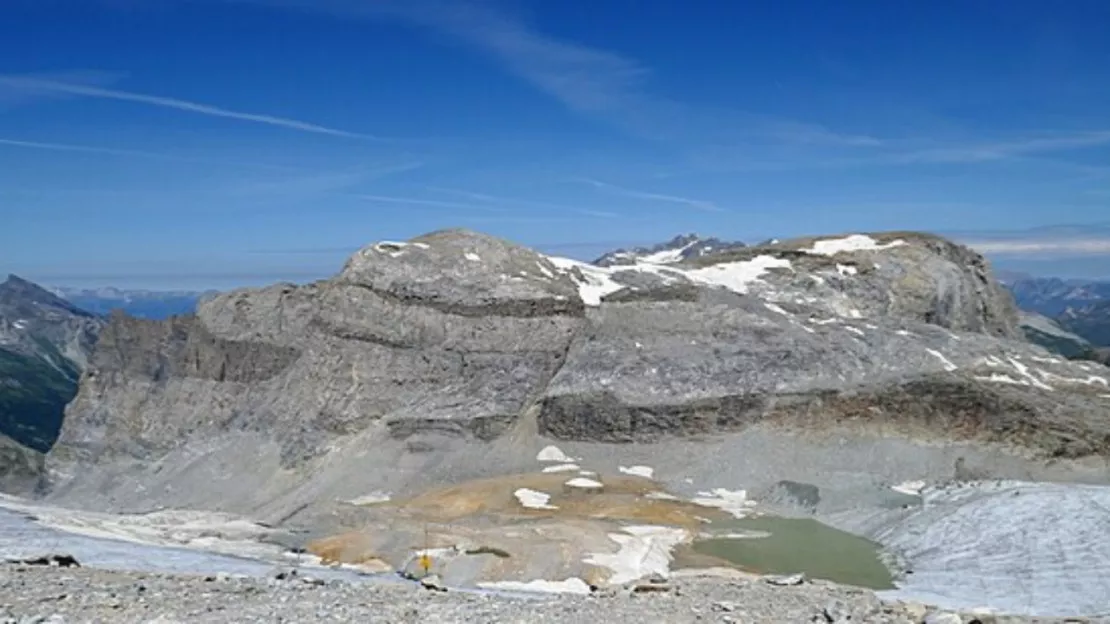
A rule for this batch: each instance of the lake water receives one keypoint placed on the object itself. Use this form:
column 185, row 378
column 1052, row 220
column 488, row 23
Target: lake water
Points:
column 798, row 545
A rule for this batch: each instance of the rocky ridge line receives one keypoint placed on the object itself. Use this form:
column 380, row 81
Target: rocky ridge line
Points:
column 455, row 337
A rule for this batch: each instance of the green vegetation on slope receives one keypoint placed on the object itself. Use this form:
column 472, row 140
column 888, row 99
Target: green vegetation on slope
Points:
column 1061, row 345
column 33, row 396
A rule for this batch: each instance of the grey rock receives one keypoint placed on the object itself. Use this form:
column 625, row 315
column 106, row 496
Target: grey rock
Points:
column 394, row 373
column 45, row 344
column 803, row 496
column 183, row 599
column 432, row 582
column 724, row 605
column 785, row 579
column 679, row 248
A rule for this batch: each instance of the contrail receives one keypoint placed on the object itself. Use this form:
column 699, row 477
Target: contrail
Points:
column 166, row 102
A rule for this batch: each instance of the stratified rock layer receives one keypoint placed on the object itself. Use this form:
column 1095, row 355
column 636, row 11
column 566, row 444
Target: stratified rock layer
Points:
column 458, row 336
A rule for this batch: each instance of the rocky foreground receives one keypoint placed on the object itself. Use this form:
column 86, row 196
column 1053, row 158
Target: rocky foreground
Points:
column 51, row 594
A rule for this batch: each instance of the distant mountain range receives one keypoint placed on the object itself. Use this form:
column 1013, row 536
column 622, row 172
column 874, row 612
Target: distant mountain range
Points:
column 1053, row 296
column 148, row 304
column 45, row 344
column 1070, row 317
column 679, row 248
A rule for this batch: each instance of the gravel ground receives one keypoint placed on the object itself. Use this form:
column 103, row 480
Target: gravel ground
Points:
column 51, row 594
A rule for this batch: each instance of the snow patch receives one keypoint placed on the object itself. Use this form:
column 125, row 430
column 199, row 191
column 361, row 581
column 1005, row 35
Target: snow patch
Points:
column 572, row 585
column 644, row 550
column 854, row 242
column 1023, row 370
column 945, row 362
column 663, row 257
column 1032, row 549
column 846, row 269
column 1000, row 378
column 593, row 282
column 214, row 532
column 776, row 309
column 855, row 330
column 638, row 471
column 533, row 499
column 553, row 454
column 391, row 248
column 743, row 535
column 584, row 483
column 1090, row 380
column 733, row 502
column 737, row 276
column 661, row 496
column 910, row 488
column 369, row 499
column 473, row 257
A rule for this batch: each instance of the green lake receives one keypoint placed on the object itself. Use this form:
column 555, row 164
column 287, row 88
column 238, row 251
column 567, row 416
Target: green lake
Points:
column 798, row 545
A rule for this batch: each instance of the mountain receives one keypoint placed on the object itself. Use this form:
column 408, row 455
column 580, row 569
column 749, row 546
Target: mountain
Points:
column 1090, row 320
column 45, row 344
column 1041, row 330
column 678, row 249
column 151, row 304
column 1078, row 307
column 457, row 355
column 1050, row 296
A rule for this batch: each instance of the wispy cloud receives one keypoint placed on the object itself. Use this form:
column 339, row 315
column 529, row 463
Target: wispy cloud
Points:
column 108, row 151
column 1091, row 239
column 1031, row 247
column 600, row 83
column 1002, row 150
column 699, row 204
column 12, row 96
column 419, row 201
column 523, row 203
column 324, row 182
column 38, row 85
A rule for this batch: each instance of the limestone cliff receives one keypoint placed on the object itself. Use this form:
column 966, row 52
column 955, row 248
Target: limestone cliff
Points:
column 457, row 337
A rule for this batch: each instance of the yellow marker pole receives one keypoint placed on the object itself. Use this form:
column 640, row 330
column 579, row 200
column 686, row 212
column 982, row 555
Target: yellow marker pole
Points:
column 425, row 558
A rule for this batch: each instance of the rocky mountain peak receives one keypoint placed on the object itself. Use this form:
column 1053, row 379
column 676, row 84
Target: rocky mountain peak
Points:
column 21, row 296
column 461, row 270
column 451, row 353
column 679, row 248
column 45, row 343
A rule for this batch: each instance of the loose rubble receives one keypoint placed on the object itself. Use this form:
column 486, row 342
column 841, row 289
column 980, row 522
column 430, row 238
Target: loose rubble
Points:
column 60, row 595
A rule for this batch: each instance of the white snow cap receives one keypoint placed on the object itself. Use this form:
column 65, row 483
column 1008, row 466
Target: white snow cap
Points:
column 553, row 454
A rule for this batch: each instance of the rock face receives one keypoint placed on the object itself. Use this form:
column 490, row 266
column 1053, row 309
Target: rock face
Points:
column 460, row 336
column 45, row 343
column 1091, row 321
column 30, row 316
column 1041, row 330
column 678, row 249
column 1081, row 308
column 1051, row 296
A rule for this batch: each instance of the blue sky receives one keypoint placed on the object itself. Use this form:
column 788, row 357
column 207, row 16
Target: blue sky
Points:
column 214, row 143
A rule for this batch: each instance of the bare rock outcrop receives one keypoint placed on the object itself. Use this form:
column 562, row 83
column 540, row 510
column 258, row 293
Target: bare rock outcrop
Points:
column 457, row 335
